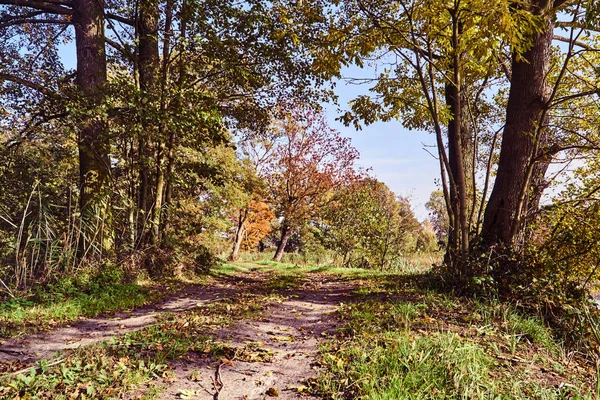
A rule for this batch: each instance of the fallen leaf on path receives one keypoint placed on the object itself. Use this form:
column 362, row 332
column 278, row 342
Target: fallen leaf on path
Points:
column 299, row 389
column 195, row 376
column 188, row 394
column 227, row 362
column 273, row 392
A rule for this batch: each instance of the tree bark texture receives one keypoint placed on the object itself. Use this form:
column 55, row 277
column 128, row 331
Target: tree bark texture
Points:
column 148, row 62
column 93, row 143
column 522, row 137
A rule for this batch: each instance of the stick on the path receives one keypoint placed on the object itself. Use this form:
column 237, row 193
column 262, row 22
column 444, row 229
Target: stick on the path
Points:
column 218, row 382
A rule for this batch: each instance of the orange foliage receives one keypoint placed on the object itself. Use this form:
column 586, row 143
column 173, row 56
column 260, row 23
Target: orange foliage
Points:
column 258, row 224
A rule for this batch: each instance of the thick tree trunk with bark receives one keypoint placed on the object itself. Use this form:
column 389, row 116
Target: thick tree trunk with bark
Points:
column 286, row 232
column 522, row 138
column 94, row 147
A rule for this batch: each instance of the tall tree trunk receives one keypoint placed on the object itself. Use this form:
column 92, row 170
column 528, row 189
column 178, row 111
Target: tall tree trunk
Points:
column 158, row 196
column 169, row 173
column 522, row 138
column 240, row 231
column 93, row 143
column 458, row 239
column 286, row 232
column 168, row 186
column 148, row 61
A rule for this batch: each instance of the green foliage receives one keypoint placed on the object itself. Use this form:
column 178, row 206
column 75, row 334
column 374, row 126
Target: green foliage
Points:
column 369, row 226
column 438, row 215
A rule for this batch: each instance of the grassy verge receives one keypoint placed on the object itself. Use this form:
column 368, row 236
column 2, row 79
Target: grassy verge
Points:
column 411, row 343
column 411, row 263
column 113, row 368
column 74, row 298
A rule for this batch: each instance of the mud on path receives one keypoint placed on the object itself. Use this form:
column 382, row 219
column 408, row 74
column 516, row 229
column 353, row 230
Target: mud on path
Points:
column 271, row 356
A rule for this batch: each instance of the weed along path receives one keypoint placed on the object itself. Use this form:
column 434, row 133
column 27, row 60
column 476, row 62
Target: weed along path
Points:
column 252, row 334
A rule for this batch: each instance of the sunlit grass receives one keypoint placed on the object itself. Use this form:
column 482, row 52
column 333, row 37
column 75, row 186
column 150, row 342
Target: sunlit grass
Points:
column 72, row 299
column 404, row 341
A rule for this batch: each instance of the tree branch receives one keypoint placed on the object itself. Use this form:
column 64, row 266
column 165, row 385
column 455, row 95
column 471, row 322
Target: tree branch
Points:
column 8, row 18
column 46, row 6
column 120, row 48
column 575, row 96
column 35, row 21
column 576, row 43
column 25, row 82
column 118, row 18
column 571, row 24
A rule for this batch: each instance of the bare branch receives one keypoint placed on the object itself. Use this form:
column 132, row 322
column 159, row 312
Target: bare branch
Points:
column 46, row 6
column 576, row 43
column 25, row 82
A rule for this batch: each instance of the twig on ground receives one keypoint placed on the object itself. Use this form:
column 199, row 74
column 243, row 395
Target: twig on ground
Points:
column 218, row 382
column 36, row 368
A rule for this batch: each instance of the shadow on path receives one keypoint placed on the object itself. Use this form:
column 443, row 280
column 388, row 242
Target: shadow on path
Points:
column 289, row 332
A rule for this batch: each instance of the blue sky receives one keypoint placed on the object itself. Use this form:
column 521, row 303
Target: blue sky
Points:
column 395, row 154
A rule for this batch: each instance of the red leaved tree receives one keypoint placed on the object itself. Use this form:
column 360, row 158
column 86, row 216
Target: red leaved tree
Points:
column 309, row 160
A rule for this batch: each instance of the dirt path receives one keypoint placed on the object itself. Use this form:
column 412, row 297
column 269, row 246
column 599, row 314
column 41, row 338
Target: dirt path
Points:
column 273, row 355
column 43, row 345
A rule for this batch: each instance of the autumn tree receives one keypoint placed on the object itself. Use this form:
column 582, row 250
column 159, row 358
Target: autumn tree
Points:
column 250, row 214
column 309, row 161
column 259, row 224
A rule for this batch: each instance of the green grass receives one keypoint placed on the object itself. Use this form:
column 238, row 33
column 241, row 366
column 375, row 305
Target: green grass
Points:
column 281, row 268
column 398, row 366
column 71, row 299
column 416, row 343
column 413, row 263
